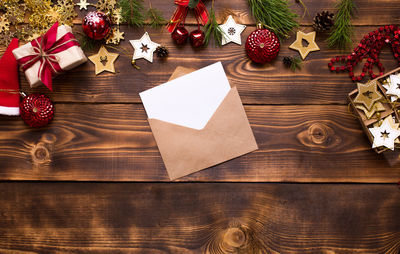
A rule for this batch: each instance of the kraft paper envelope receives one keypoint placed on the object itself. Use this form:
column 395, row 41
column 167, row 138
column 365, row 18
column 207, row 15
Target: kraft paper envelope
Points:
column 226, row 135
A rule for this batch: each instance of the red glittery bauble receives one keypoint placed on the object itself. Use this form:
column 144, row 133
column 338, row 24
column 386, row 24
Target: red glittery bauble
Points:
column 262, row 46
column 96, row 25
column 37, row 110
column 180, row 35
column 197, row 38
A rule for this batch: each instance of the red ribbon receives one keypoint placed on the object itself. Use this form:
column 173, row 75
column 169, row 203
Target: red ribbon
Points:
column 180, row 14
column 45, row 48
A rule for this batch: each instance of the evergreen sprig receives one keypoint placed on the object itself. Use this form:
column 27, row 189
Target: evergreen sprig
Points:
column 275, row 15
column 155, row 17
column 132, row 12
column 213, row 30
column 342, row 31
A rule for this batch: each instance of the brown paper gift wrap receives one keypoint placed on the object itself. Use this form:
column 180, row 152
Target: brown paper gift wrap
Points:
column 227, row 135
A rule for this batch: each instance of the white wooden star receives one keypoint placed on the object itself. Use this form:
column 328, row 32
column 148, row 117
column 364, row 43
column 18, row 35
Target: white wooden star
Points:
column 386, row 85
column 83, row 4
column 393, row 86
column 384, row 135
column 144, row 48
column 231, row 31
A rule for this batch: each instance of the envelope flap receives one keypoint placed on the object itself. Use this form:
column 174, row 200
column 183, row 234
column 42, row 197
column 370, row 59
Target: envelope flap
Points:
column 227, row 135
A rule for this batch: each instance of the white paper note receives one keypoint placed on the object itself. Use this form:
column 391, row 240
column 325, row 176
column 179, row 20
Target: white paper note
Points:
column 190, row 100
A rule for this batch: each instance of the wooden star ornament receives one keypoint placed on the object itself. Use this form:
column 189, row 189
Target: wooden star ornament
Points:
column 231, row 31
column 368, row 94
column 144, row 48
column 298, row 43
column 385, row 135
column 377, row 107
column 104, row 61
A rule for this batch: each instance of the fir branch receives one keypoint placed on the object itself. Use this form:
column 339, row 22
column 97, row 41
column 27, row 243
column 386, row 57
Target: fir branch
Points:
column 155, row 17
column 296, row 63
column 342, row 31
column 88, row 44
column 275, row 15
column 132, row 12
column 212, row 29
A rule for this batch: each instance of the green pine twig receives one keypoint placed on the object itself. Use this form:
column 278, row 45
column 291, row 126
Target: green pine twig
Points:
column 296, row 63
column 342, row 31
column 132, row 12
column 88, row 44
column 275, row 15
column 155, row 17
column 213, row 30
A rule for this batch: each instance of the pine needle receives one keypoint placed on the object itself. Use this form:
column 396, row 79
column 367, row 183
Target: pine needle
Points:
column 132, row 12
column 88, row 44
column 296, row 63
column 275, row 15
column 213, row 30
column 342, row 31
column 155, row 17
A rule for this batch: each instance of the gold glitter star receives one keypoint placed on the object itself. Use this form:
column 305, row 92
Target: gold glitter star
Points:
column 368, row 94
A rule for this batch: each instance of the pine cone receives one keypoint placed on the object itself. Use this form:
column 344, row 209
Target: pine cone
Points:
column 162, row 51
column 323, row 21
column 287, row 61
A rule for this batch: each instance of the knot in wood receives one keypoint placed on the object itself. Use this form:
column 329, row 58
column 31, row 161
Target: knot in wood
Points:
column 234, row 237
column 40, row 153
column 318, row 133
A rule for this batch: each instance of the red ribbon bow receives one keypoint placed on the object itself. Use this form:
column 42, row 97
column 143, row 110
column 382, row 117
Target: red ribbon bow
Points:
column 179, row 16
column 45, row 48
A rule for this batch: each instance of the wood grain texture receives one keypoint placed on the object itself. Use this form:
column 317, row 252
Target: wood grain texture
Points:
column 199, row 218
column 113, row 142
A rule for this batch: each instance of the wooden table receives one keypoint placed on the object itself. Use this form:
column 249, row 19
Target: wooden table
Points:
column 93, row 181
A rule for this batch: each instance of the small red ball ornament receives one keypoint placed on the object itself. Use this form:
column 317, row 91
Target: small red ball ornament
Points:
column 37, row 110
column 197, row 38
column 96, row 25
column 262, row 46
column 180, row 35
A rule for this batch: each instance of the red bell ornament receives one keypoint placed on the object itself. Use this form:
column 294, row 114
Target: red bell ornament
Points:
column 262, row 46
column 37, row 110
column 197, row 38
column 180, row 35
column 96, row 25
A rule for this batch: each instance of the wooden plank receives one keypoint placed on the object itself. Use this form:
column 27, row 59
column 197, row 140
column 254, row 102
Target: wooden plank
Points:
column 113, row 142
column 268, row 84
column 199, row 218
column 385, row 11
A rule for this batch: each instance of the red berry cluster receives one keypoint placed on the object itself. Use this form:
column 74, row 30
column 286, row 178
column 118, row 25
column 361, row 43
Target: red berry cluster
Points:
column 370, row 46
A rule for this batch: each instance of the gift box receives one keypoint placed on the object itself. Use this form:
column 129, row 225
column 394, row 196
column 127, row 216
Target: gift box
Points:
column 51, row 54
column 389, row 108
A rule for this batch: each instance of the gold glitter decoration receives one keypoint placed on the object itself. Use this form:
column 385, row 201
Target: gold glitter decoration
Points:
column 4, row 25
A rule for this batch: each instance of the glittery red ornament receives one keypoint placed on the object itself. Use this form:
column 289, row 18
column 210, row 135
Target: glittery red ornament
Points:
column 262, row 46
column 180, row 35
column 37, row 110
column 96, row 25
column 197, row 38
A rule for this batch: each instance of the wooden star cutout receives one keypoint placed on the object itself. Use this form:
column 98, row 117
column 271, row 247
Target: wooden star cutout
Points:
column 385, row 135
column 231, row 31
column 368, row 94
column 393, row 87
column 377, row 107
column 104, row 60
column 83, row 4
column 298, row 43
column 386, row 85
column 144, row 48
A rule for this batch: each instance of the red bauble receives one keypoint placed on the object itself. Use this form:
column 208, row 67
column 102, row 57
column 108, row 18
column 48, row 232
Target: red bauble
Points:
column 262, row 46
column 37, row 110
column 96, row 25
column 197, row 38
column 180, row 35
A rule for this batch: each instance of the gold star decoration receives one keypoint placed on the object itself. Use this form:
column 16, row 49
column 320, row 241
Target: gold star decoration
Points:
column 368, row 94
column 83, row 4
column 298, row 43
column 4, row 25
column 115, row 36
column 376, row 108
column 104, row 61
column 117, row 18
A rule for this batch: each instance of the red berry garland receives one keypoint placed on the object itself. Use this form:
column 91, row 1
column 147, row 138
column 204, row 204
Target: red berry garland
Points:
column 37, row 110
column 262, row 46
column 370, row 46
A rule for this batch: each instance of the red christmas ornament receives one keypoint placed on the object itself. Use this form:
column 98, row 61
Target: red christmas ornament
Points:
column 262, row 46
column 96, row 25
column 180, row 35
column 37, row 110
column 369, row 47
column 197, row 38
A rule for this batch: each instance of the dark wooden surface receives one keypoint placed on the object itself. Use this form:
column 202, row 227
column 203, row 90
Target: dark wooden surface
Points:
column 324, row 190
